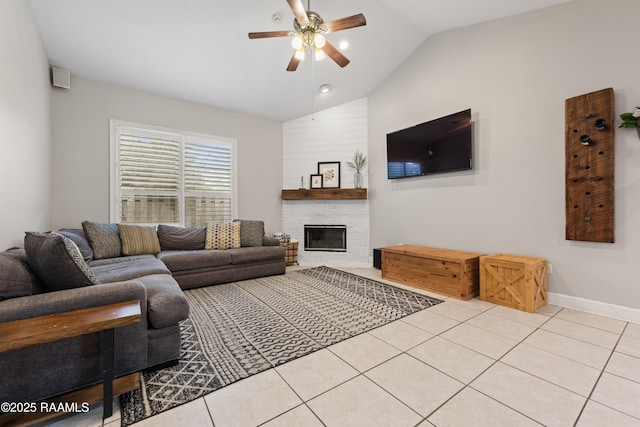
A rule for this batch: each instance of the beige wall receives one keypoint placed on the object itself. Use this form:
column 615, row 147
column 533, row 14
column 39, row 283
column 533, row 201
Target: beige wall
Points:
column 24, row 125
column 515, row 75
column 80, row 131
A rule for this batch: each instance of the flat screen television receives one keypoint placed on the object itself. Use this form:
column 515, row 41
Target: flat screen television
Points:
column 436, row 146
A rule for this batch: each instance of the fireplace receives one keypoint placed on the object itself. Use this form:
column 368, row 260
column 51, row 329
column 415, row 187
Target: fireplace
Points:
column 328, row 238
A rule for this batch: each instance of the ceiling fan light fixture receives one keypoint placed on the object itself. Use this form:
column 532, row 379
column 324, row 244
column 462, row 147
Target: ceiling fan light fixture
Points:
column 297, row 42
column 319, row 41
column 308, row 34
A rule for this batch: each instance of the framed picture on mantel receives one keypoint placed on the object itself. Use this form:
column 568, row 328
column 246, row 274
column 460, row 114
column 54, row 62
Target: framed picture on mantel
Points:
column 315, row 181
column 330, row 172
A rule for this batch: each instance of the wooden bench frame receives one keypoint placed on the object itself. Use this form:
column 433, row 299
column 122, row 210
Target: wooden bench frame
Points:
column 43, row 329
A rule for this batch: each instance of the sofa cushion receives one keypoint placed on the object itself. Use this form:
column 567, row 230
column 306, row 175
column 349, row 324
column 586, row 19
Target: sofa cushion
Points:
column 106, row 261
column 181, row 238
column 127, row 268
column 16, row 277
column 270, row 241
column 79, row 238
column 103, row 238
column 224, row 235
column 57, row 261
column 256, row 254
column 138, row 239
column 166, row 303
column 251, row 232
column 194, row 260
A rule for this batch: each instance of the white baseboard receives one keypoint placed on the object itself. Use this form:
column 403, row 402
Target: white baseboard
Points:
column 619, row 312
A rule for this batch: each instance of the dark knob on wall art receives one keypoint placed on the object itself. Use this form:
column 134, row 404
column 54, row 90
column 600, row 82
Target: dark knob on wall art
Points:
column 585, row 140
column 600, row 124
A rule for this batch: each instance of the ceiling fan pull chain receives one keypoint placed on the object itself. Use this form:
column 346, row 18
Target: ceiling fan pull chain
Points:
column 313, row 94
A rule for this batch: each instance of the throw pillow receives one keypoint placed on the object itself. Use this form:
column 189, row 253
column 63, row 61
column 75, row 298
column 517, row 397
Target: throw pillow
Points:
column 79, row 238
column 251, row 232
column 223, row 235
column 16, row 278
column 103, row 238
column 138, row 239
column 57, row 261
column 181, row 238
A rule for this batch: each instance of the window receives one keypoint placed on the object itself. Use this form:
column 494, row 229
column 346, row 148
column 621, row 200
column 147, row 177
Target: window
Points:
column 170, row 177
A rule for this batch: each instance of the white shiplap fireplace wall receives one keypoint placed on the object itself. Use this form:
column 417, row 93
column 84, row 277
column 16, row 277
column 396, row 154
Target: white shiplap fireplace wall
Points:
column 332, row 135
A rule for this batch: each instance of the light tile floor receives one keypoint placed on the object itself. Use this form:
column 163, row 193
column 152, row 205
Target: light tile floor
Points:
column 460, row 363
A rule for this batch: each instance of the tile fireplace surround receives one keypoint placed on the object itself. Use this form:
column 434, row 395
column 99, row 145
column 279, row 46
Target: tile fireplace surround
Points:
column 352, row 213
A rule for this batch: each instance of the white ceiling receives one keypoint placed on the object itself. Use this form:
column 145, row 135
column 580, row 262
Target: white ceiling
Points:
column 198, row 50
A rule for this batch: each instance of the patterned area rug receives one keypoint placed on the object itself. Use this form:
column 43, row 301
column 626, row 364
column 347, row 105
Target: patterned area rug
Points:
column 239, row 329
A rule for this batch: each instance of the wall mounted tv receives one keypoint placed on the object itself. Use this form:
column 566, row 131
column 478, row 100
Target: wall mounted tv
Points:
column 436, row 146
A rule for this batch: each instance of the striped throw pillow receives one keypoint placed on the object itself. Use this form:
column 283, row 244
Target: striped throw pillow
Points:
column 223, row 235
column 138, row 239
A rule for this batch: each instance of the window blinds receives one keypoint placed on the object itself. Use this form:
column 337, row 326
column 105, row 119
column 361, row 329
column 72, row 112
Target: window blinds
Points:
column 207, row 183
column 163, row 178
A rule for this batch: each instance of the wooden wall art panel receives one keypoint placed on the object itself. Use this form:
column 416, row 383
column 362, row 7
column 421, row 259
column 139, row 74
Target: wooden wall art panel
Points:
column 589, row 167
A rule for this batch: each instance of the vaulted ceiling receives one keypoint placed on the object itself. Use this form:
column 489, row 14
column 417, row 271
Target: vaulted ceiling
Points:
column 199, row 51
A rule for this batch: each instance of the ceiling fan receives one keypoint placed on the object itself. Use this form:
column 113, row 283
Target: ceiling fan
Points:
column 308, row 34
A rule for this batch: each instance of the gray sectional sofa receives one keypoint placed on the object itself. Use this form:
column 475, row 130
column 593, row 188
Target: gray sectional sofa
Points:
column 108, row 263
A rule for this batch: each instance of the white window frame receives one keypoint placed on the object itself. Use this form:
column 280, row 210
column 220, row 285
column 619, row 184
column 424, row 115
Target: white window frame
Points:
column 114, row 136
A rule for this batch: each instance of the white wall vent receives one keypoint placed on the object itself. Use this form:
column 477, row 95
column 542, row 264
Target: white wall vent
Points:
column 61, row 78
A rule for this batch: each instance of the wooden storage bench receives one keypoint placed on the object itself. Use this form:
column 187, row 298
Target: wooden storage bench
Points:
column 448, row 272
column 514, row 281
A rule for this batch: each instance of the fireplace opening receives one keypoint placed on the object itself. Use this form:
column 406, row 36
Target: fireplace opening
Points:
column 328, row 238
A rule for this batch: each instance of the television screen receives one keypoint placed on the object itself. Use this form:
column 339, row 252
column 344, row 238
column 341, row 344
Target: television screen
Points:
column 440, row 145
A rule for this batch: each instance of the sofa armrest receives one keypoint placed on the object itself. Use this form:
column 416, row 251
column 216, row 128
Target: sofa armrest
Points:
column 73, row 299
column 166, row 303
column 270, row 241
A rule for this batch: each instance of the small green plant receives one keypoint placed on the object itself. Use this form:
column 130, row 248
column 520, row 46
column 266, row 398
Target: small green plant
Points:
column 631, row 120
column 359, row 161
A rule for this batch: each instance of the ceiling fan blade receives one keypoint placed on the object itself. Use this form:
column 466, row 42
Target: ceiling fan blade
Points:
column 267, row 34
column 293, row 64
column 298, row 10
column 335, row 54
column 345, row 23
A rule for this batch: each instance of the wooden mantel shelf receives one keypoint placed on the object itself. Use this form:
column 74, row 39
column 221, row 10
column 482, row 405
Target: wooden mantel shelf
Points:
column 325, row 194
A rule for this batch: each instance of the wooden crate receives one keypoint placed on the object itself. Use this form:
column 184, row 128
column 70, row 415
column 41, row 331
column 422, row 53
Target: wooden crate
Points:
column 514, row 281
column 291, row 252
column 448, row 272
